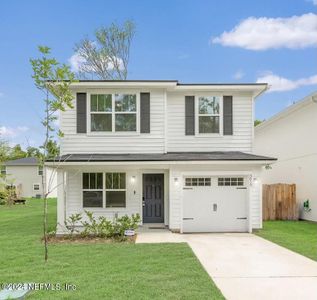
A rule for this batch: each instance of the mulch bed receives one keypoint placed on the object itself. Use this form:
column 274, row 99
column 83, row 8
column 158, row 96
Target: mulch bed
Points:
column 77, row 239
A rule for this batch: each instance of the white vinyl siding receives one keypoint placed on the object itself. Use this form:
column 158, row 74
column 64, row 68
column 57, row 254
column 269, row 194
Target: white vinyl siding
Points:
column 116, row 142
column 256, row 205
column 241, row 140
column 74, row 202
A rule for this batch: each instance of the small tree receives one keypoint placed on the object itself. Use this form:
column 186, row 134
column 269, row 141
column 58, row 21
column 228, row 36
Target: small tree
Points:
column 107, row 57
column 54, row 80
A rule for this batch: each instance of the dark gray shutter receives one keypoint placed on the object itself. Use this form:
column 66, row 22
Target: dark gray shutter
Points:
column 189, row 115
column 145, row 113
column 227, row 115
column 81, row 106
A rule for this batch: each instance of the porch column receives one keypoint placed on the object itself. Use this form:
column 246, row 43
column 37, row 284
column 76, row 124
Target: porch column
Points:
column 60, row 229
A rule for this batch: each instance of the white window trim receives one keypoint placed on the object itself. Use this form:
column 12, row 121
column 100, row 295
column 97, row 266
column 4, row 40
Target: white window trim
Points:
column 104, row 190
column 113, row 113
column 35, row 190
column 38, row 171
column 197, row 133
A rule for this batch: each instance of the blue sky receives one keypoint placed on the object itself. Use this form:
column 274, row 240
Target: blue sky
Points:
column 184, row 40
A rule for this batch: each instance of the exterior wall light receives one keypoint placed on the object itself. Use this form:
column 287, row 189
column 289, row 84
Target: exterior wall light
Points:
column 176, row 181
column 133, row 179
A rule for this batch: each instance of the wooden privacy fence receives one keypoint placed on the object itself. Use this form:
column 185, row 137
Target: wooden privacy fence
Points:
column 279, row 202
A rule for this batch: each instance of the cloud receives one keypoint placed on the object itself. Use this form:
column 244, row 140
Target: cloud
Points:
column 272, row 33
column 76, row 61
column 238, row 75
column 281, row 84
column 10, row 132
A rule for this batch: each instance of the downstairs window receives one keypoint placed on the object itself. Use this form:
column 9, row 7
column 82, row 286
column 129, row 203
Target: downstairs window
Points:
column 92, row 190
column 112, row 188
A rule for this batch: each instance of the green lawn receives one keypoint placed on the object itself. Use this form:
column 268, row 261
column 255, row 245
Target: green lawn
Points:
column 99, row 271
column 298, row 236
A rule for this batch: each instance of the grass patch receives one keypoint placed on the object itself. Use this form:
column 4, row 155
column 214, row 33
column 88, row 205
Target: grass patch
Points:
column 298, row 236
column 99, row 271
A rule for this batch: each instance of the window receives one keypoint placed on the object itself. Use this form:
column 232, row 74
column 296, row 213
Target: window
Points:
column 92, row 190
column 199, row 181
column 3, row 170
column 40, row 170
column 209, row 114
column 36, row 187
column 230, row 181
column 113, row 112
column 101, row 112
column 115, row 190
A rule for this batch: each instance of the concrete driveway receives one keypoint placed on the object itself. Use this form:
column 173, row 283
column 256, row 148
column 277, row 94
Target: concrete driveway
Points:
column 245, row 266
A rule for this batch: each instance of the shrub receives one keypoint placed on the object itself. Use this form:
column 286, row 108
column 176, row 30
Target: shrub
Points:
column 70, row 223
column 125, row 223
column 102, row 227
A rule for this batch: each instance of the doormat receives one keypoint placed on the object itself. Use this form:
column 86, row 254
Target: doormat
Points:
column 157, row 227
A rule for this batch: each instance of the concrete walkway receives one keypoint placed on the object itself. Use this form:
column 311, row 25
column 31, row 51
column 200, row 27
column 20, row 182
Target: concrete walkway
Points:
column 245, row 266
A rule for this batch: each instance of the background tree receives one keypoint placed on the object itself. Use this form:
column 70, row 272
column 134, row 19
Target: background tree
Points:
column 33, row 152
column 107, row 56
column 17, row 152
column 4, row 151
column 54, row 80
column 257, row 122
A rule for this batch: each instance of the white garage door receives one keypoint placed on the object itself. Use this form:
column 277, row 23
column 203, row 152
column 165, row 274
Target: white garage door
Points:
column 215, row 204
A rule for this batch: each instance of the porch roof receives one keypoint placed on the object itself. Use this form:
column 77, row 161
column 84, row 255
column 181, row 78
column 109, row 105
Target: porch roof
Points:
column 169, row 156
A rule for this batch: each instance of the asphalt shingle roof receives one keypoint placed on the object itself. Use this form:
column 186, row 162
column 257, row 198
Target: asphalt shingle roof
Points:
column 170, row 156
column 26, row 161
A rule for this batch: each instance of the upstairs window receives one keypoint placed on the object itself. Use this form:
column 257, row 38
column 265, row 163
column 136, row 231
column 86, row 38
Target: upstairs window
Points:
column 101, row 112
column 40, row 170
column 113, row 112
column 209, row 114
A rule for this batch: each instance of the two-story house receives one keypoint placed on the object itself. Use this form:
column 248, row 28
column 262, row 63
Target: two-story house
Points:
column 177, row 154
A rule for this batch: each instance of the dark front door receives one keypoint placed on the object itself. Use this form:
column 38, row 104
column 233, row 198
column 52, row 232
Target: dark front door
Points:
column 153, row 198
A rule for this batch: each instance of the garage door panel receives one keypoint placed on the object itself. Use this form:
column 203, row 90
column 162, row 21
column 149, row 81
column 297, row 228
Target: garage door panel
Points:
column 215, row 209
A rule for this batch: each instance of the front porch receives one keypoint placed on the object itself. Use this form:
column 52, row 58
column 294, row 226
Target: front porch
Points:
column 113, row 191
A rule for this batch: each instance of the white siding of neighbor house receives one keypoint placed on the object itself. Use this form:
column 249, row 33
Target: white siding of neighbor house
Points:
column 23, row 177
column 242, row 137
column 153, row 142
column 292, row 139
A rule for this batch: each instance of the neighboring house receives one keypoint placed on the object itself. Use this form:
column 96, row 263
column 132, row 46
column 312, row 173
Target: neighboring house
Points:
column 177, row 154
column 291, row 136
column 26, row 175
